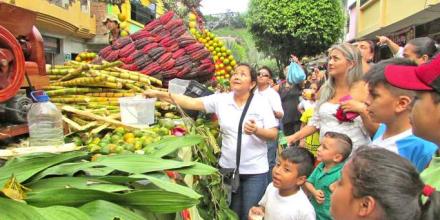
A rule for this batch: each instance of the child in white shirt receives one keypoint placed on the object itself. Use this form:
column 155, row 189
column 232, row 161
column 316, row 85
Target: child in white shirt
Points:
column 284, row 199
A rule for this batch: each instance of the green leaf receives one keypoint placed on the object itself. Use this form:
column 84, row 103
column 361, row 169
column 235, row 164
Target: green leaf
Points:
column 171, row 187
column 135, row 163
column 155, row 200
column 63, row 212
column 76, row 182
column 103, row 210
column 64, row 169
column 169, row 145
column 197, row 169
column 24, row 168
column 12, row 210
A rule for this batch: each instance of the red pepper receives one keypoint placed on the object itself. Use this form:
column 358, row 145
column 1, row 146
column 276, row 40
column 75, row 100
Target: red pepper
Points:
column 171, row 174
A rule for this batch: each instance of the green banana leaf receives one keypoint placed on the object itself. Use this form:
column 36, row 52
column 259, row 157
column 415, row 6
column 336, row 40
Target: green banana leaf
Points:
column 171, row 144
column 76, row 182
column 155, row 200
column 103, row 210
column 64, row 169
column 24, row 168
column 12, row 210
column 170, row 187
column 197, row 169
column 63, row 212
column 136, row 163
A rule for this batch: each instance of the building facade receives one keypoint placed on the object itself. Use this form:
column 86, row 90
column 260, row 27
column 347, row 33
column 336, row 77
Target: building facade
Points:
column 400, row 20
column 69, row 27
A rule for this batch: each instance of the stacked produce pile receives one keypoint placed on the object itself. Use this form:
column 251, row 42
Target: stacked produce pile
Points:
column 223, row 58
column 163, row 48
column 92, row 93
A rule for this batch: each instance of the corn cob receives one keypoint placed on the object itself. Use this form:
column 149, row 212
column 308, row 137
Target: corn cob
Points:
column 186, row 69
column 157, row 30
column 174, row 23
column 164, row 58
column 149, row 47
column 150, row 26
column 121, row 42
column 179, row 53
column 140, row 35
column 183, row 59
column 127, row 50
column 177, row 32
column 164, row 36
column 164, row 19
column 169, row 64
column 200, row 55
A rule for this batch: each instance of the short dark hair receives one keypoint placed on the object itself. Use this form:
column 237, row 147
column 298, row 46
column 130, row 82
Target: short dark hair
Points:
column 424, row 45
column 370, row 43
column 301, row 157
column 389, row 178
column 251, row 70
column 345, row 143
column 268, row 70
column 376, row 76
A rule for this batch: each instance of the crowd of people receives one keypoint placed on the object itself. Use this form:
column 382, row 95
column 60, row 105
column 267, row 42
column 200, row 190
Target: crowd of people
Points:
column 363, row 138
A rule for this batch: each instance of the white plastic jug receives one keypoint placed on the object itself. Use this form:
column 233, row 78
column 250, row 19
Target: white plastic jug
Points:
column 178, row 86
column 137, row 110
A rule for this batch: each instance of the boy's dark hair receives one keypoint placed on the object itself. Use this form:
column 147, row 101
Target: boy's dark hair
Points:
column 424, row 45
column 251, row 70
column 345, row 144
column 370, row 43
column 376, row 76
column 268, row 70
column 301, row 157
column 393, row 182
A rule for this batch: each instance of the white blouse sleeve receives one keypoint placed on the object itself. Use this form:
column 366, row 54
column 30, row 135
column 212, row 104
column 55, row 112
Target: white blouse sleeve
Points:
column 315, row 121
column 210, row 102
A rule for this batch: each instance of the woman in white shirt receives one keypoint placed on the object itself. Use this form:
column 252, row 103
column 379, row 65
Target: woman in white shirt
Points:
column 259, row 125
column 345, row 74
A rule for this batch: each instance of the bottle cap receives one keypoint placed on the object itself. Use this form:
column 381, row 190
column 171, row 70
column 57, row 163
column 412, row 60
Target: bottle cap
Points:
column 40, row 96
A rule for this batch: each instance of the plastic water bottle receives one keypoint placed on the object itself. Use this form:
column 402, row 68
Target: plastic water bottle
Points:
column 45, row 122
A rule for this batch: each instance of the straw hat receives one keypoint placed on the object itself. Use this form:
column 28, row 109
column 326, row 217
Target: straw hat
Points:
column 110, row 17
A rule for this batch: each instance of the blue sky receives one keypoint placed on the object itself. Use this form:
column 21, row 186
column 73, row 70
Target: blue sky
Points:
column 220, row 6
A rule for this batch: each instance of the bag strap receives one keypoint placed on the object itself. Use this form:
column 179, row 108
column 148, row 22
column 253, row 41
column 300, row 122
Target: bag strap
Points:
column 240, row 131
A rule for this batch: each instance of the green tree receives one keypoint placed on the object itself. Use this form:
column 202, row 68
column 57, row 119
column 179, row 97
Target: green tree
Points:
column 284, row 27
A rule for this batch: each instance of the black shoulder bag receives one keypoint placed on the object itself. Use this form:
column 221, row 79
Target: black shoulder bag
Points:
column 231, row 176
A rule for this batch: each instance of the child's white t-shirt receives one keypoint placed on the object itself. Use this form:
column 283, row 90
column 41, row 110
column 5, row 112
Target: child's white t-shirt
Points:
column 306, row 104
column 293, row 207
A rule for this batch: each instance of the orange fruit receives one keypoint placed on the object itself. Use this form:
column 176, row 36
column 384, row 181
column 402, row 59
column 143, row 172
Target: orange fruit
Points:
column 122, row 17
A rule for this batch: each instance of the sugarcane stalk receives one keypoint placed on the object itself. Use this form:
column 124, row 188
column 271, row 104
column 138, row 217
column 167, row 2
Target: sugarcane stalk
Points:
column 134, row 88
column 130, row 76
column 80, row 81
column 69, row 91
column 110, row 78
column 100, row 118
column 111, row 94
column 75, row 72
column 51, row 87
column 107, row 65
column 71, row 123
column 107, row 85
column 152, row 79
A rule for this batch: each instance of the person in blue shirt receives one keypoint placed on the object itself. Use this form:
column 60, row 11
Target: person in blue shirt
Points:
column 391, row 107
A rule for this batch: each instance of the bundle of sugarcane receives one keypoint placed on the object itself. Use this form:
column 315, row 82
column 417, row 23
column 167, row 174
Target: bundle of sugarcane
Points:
column 96, row 89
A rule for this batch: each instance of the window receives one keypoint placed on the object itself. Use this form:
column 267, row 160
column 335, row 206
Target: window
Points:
column 140, row 13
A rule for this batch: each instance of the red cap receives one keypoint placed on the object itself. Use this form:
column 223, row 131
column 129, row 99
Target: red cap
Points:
column 425, row 77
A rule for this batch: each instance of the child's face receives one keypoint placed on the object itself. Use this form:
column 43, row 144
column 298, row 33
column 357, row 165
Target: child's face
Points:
column 382, row 104
column 425, row 117
column 343, row 204
column 285, row 175
column 328, row 151
column 308, row 94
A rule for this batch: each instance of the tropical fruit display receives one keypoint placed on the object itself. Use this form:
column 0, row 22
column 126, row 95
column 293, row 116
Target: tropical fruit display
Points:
column 86, row 57
column 223, row 59
column 163, row 49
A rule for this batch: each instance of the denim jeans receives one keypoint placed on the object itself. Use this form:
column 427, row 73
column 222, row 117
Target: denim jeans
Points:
column 272, row 147
column 252, row 188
